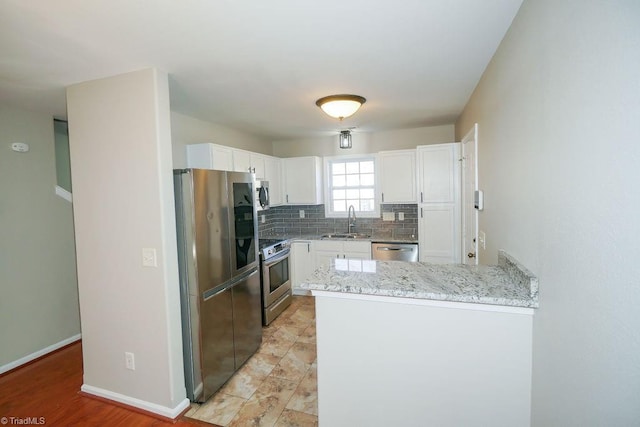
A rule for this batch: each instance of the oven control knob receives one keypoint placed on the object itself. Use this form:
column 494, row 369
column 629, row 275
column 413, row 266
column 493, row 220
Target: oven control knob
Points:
column 270, row 251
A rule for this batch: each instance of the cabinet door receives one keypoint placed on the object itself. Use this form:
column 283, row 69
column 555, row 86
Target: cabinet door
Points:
column 273, row 174
column 357, row 250
column 439, row 233
column 241, row 161
column 257, row 165
column 302, row 180
column 398, row 176
column 301, row 264
column 323, row 258
column 438, row 173
column 209, row 156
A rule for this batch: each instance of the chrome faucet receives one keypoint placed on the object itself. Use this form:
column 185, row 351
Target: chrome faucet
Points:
column 351, row 222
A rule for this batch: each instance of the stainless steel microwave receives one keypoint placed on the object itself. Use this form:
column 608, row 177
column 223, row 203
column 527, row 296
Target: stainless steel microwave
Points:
column 262, row 195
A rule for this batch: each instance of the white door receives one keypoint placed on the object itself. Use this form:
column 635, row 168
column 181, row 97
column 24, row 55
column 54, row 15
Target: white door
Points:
column 469, row 186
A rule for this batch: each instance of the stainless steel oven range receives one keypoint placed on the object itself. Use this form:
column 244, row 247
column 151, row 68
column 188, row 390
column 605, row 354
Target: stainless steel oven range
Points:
column 274, row 275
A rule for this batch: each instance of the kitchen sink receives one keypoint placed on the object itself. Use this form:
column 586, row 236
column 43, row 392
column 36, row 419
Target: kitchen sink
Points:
column 345, row 236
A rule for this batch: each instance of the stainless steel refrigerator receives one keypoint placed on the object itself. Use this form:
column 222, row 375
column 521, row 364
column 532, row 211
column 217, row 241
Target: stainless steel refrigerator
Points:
column 219, row 279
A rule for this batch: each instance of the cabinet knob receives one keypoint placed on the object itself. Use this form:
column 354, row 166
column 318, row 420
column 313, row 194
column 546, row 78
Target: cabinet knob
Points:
column 471, row 255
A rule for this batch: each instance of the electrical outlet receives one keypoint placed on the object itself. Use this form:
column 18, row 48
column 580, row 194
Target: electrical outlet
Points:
column 400, row 216
column 482, row 239
column 301, row 213
column 130, row 361
column 263, row 218
column 149, row 258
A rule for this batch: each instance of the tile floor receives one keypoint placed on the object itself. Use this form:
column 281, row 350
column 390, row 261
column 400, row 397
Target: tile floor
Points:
column 278, row 385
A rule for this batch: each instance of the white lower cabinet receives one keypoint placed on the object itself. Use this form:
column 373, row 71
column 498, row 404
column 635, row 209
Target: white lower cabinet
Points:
column 326, row 250
column 301, row 264
column 439, row 234
column 307, row 255
column 439, row 220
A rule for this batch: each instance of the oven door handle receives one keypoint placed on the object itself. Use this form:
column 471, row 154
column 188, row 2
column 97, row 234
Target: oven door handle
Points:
column 271, row 261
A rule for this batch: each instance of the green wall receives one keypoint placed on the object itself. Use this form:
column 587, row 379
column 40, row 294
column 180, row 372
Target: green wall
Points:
column 38, row 286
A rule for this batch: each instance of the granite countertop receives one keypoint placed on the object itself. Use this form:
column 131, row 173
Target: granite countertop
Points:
column 507, row 284
column 373, row 238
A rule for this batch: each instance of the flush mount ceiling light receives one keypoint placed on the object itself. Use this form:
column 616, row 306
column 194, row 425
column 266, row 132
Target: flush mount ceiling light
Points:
column 345, row 139
column 340, row 106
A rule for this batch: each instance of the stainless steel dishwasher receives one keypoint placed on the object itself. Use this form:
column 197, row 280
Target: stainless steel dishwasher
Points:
column 395, row 251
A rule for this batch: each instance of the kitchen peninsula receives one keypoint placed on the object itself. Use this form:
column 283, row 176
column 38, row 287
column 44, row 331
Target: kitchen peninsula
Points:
column 424, row 344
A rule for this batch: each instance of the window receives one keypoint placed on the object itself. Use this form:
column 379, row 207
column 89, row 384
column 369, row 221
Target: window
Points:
column 351, row 181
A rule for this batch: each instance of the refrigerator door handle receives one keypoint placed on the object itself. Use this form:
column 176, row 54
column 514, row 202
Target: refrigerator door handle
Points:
column 230, row 284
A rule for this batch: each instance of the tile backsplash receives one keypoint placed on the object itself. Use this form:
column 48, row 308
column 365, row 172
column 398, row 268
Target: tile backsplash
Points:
column 286, row 220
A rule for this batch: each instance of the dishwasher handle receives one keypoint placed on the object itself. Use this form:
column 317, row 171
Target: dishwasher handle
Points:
column 394, row 251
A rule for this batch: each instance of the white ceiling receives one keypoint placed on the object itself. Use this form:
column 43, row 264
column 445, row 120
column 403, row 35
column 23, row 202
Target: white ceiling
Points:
column 258, row 65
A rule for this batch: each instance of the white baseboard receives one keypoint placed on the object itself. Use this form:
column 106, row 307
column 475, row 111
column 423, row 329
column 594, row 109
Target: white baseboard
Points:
column 137, row 403
column 64, row 194
column 11, row 365
column 301, row 292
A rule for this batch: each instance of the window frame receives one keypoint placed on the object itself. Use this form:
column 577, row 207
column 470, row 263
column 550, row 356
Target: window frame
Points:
column 328, row 187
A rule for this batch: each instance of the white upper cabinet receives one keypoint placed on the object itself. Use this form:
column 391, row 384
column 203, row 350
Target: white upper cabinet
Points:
column 273, row 174
column 242, row 161
column 247, row 161
column 257, row 164
column 438, row 170
column 302, row 180
column 210, row 156
column 397, row 176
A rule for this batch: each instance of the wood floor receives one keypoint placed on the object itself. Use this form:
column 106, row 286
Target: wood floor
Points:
column 49, row 388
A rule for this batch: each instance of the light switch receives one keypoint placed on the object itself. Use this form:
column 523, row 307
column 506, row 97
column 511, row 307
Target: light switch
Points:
column 149, row 258
column 482, row 240
column 20, row 147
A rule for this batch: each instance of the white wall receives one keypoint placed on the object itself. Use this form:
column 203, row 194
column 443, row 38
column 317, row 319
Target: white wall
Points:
column 188, row 130
column 120, row 141
column 38, row 286
column 558, row 110
column 366, row 142
column 383, row 362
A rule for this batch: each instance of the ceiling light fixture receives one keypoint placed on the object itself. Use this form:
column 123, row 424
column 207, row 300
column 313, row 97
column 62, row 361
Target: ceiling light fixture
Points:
column 345, row 139
column 340, row 106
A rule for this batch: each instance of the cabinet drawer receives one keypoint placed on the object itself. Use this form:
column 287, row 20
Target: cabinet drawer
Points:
column 363, row 246
column 329, row 245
